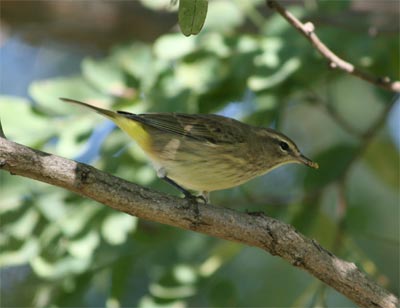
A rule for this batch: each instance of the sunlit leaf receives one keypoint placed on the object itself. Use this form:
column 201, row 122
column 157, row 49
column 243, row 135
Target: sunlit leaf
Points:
column 247, row 43
column 52, row 205
column 46, row 93
column 70, row 142
column 78, row 217
column 23, row 228
column 106, row 76
column 214, row 42
column 198, row 75
column 20, row 122
column 83, row 247
column 171, row 292
column 117, row 226
column 223, row 15
column 184, row 274
column 173, row 46
column 167, row 5
column 270, row 53
column 13, row 192
column 27, row 251
column 257, row 83
column 150, row 302
column 138, row 60
column 59, row 269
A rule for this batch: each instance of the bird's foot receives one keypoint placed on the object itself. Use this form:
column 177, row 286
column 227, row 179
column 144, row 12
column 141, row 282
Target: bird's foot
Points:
column 193, row 202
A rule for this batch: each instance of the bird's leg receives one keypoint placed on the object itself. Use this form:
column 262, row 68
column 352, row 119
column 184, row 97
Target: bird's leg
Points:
column 205, row 196
column 162, row 174
column 188, row 195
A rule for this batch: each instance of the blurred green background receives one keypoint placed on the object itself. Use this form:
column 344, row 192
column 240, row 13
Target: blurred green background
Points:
column 58, row 249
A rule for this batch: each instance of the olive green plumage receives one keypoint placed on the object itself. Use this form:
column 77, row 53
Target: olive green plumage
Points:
column 206, row 152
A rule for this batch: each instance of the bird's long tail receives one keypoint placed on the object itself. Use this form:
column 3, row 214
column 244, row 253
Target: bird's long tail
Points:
column 126, row 121
column 108, row 113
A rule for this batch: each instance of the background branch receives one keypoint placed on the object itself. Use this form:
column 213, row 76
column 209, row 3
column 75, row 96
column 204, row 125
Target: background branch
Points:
column 335, row 62
column 256, row 230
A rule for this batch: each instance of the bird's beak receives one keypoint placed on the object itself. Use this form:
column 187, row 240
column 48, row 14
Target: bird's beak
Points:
column 308, row 162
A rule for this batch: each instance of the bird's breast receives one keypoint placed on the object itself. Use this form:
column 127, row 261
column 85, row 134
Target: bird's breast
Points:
column 203, row 166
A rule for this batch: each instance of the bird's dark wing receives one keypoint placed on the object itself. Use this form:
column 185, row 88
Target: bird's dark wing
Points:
column 203, row 127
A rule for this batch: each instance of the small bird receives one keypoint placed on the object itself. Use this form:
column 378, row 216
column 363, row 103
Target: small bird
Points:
column 205, row 152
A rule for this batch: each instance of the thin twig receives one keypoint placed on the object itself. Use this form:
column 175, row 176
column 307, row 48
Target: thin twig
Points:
column 253, row 229
column 335, row 62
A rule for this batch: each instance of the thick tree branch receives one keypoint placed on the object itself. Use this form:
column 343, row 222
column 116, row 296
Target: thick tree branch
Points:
column 256, row 230
column 307, row 30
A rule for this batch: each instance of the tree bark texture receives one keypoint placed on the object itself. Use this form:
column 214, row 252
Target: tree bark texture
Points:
column 253, row 229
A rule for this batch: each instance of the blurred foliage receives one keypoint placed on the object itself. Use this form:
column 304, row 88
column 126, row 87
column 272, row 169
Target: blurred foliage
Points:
column 59, row 249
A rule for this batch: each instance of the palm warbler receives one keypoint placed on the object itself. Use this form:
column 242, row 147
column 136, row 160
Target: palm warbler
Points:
column 205, row 152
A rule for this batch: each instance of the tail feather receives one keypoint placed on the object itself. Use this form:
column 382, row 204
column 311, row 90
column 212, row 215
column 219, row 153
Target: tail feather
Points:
column 128, row 122
column 108, row 113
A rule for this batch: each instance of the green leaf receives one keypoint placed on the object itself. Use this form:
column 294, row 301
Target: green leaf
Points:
column 270, row 56
column 192, row 15
column 29, row 249
column 106, row 76
column 13, row 190
column 199, row 74
column 47, row 93
column 52, row 205
column 138, row 61
column 23, row 227
column 150, row 302
column 215, row 43
column 160, row 5
column 173, row 46
column 116, row 227
column 84, row 246
column 20, row 122
column 258, row 83
column 60, row 269
column 75, row 221
column 223, row 15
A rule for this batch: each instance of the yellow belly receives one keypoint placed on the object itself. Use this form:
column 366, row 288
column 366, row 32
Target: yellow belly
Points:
column 195, row 165
column 203, row 167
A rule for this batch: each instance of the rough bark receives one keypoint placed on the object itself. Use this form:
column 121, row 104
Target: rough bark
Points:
column 253, row 229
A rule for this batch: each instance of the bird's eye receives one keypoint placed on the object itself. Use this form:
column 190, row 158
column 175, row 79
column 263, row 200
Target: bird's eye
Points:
column 284, row 146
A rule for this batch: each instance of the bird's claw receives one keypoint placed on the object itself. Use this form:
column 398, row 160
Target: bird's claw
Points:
column 194, row 201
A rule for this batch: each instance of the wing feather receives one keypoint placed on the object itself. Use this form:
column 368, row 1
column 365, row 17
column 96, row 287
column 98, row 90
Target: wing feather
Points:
column 203, row 127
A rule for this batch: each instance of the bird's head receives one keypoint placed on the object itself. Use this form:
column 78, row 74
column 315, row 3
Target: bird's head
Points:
column 280, row 149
